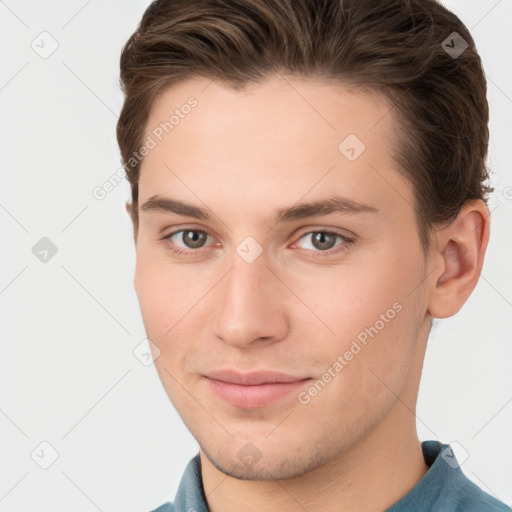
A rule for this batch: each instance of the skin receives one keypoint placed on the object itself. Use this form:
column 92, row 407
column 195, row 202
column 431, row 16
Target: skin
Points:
column 243, row 156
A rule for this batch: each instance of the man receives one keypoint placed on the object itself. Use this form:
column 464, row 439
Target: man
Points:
column 307, row 196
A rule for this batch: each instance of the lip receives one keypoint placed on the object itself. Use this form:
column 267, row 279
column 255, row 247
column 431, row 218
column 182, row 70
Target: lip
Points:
column 252, row 390
column 253, row 378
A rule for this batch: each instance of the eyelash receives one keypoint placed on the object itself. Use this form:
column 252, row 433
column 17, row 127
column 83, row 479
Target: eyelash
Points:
column 347, row 242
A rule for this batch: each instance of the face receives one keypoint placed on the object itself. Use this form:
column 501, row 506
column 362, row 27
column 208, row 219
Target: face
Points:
column 331, row 297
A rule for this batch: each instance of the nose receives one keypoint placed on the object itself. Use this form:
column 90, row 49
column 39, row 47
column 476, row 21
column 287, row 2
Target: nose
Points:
column 252, row 305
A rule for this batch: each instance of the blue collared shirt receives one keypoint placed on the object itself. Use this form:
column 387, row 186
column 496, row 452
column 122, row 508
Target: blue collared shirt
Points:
column 443, row 488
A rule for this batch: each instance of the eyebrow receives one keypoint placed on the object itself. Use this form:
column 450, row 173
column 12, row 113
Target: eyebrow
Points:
column 334, row 204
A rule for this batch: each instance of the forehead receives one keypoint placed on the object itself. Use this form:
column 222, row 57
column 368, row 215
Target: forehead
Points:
column 279, row 110
column 286, row 135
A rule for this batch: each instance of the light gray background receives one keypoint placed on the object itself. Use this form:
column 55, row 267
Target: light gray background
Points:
column 68, row 375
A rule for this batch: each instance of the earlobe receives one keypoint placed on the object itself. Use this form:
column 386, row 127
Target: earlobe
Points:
column 459, row 258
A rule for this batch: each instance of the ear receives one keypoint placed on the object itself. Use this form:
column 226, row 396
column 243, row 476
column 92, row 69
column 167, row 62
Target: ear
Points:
column 458, row 258
column 131, row 212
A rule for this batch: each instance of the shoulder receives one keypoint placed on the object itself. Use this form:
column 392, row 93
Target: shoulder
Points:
column 166, row 507
column 473, row 499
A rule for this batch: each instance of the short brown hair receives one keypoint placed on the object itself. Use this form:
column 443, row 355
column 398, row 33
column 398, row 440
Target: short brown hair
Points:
column 440, row 109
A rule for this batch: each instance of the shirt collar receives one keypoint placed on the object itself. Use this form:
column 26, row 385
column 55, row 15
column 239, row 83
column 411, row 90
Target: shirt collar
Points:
column 443, row 479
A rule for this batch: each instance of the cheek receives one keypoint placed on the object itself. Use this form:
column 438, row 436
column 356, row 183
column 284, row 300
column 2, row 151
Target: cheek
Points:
column 369, row 318
column 166, row 300
column 348, row 301
column 171, row 298
column 157, row 293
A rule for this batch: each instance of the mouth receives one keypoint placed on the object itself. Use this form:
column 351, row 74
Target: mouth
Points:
column 253, row 390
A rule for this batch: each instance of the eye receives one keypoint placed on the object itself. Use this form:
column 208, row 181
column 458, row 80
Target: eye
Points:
column 323, row 241
column 192, row 239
